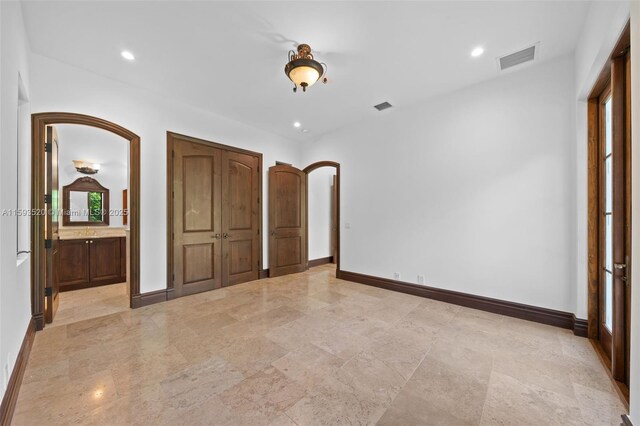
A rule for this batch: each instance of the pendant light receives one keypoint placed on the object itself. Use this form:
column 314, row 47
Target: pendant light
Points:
column 303, row 70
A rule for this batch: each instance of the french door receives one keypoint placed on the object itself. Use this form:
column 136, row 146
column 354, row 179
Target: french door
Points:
column 615, row 219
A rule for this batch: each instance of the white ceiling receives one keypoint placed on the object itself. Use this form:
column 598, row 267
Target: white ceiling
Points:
column 228, row 58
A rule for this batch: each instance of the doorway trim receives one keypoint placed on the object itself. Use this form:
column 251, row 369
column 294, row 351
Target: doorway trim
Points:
column 39, row 122
column 307, row 170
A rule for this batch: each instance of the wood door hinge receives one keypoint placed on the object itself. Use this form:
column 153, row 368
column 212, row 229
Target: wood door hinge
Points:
column 48, row 244
column 47, row 147
column 47, row 198
column 48, row 291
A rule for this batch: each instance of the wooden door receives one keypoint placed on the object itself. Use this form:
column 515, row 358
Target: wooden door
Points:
column 287, row 220
column 197, row 222
column 615, row 226
column 104, row 261
column 73, row 263
column 620, row 220
column 240, row 218
column 52, row 288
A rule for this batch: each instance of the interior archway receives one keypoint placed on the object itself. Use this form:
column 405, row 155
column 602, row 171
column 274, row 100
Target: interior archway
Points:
column 38, row 258
column 307, row 170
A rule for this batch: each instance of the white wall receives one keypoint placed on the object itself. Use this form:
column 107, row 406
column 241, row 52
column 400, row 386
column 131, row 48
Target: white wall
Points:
column 98, row 146
column 15, row 308
column 59, row 87
column 602, row 29
column 320, row 182
column 472, row 190
column 634, row 388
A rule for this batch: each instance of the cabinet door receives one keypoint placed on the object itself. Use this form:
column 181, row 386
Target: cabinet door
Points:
column 123, row 259
column 104, row 260
column 73, row 263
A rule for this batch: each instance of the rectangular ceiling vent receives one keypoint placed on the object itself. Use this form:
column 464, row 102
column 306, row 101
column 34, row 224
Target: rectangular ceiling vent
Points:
column 383, row 106
column 517, row 58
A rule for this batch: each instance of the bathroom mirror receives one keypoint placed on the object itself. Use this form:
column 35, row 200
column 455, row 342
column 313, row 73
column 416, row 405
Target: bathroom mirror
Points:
column 85, row 203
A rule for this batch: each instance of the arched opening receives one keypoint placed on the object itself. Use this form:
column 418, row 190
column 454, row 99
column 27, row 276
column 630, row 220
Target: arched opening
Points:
column 336, row 206
column 39, row 204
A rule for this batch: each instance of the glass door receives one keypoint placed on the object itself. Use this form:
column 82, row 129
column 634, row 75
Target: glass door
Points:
column 606, row 207
column 614, row 208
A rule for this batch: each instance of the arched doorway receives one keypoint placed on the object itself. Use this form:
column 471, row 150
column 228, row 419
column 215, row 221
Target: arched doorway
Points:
column 40, row 122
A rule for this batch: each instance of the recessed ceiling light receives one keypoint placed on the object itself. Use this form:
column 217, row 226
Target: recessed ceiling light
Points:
column 477, row 51
column 297, row 124
column 127, row 55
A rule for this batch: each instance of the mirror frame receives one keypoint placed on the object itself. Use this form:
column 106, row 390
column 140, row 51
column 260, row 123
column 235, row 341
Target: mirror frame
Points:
column 84, row 184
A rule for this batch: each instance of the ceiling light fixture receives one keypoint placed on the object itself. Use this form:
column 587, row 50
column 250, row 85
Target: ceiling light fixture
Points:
column 297, row 124
column 477, row 51
column 127, row 55
column 303, row 70
column 86, row 167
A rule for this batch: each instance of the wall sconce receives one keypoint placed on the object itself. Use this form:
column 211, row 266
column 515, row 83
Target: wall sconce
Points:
column 86, row 167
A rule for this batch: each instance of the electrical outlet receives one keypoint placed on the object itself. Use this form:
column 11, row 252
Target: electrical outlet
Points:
column 420, row 279
column 396, row 275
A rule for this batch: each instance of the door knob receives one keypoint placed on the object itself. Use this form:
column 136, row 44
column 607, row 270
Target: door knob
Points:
column 86, row 242
column 619, row 265
column 225, row 235
column 217, row 236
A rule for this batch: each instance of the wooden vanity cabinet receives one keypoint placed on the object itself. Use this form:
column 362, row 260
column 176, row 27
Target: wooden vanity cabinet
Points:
column 91, row 262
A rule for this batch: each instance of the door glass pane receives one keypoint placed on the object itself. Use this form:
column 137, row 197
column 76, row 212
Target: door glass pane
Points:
column 607, row 125
column 608, row 301
column 608, row 185
column 608, row 249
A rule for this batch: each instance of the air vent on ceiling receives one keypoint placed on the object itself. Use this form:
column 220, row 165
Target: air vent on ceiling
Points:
column 383, row 106
column 517, row 58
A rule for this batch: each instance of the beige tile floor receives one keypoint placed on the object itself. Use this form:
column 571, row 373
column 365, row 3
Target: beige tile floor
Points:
column 308, row 349
column 90, row 303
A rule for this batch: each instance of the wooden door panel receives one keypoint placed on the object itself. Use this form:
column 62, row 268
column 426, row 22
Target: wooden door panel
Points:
column 241, row 194
column 288, row 200
column 104, row 260
column 289, row 251
column 197, row 250
column 241, row 256
column 73, row 263
column 198, row 265
column 51, row 225
column 199, row 191
column 287, row 220
column 240, row 218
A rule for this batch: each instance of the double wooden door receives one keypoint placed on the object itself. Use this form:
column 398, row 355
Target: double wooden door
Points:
column 215, row 210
